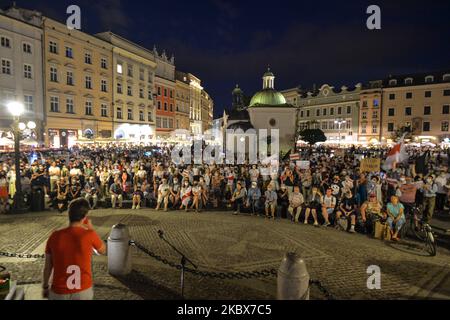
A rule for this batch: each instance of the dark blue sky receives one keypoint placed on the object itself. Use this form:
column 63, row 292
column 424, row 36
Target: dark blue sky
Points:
column 225, row 42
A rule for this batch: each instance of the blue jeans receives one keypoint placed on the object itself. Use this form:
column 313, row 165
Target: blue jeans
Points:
column 398, row 225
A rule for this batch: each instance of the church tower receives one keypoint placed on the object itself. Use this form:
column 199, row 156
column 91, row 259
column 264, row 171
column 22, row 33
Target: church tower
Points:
column 238, row 99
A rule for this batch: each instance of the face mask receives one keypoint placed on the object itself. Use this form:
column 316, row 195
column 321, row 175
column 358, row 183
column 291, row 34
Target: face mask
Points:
column 429, row 181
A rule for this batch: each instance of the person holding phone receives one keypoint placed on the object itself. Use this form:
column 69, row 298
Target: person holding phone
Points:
column 68, row 256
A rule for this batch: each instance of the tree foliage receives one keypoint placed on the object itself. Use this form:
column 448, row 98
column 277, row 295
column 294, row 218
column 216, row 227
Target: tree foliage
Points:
column 312, row 136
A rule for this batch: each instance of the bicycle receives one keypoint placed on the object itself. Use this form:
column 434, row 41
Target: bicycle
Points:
column 419, row 229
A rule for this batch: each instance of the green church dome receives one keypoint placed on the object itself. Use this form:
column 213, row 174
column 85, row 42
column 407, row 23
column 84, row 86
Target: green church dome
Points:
column 268, row 97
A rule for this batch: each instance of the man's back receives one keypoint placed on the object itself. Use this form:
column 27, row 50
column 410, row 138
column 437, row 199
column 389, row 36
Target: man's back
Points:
column 71, row 252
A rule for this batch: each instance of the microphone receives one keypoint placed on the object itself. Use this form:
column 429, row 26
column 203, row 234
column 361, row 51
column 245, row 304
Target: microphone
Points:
column 161, row 234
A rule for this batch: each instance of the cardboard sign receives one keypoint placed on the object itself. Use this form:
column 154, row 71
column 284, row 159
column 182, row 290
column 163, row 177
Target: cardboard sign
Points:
column 370, row 165
column 303, row 165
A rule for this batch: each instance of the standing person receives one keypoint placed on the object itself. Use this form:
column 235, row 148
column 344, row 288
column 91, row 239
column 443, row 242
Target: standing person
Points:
column 429, row 198
column 271, row 201
column 3, row 191
column 441, row 193
column 68, row 255
column 55, row 173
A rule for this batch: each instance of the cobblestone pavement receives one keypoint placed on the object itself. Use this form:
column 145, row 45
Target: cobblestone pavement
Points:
column 221, row 242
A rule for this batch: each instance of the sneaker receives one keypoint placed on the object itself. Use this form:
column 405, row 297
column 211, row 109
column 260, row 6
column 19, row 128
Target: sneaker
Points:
column 316, row 224
column 326, row 224
column 133, row 207
column 305, row 222
column 235, row 213
column 138, row 207
column 352, row 229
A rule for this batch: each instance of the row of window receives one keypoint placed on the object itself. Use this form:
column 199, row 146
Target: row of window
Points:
column 28, row 100
column 426, row 126
column 374, row 115
column 88, row 109
column 410, row 81
column 130, row 114
column 426, row 111
column 130, row 91
column 70, row 81
column 427, row 94
column 69, row 53
column 326, row 125
column 374, row 129
column 164, row 123
column 6, row 42
column 324, row 112
column 7, row 68
column 170, row 92
column 165, row 106
column 130, row 72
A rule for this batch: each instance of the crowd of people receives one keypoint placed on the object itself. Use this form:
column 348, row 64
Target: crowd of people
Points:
column 330, row 189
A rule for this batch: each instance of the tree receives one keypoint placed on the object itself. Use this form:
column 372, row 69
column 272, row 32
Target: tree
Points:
column 397, row 134
column 312, row 136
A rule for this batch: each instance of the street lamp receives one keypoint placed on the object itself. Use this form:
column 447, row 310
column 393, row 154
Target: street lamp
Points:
column 17, row 109
column 340, row 122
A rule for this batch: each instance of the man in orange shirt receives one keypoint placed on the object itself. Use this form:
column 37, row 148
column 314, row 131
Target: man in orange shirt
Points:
column 69, row 254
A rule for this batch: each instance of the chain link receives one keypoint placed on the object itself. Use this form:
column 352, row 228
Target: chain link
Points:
column 265, row 273
column 22, row 255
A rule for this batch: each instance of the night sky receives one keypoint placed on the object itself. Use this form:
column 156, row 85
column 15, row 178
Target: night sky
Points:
column 224, row 42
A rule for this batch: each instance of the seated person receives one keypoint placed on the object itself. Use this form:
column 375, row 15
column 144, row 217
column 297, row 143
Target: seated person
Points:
column 271, row 201
column 253, row 198
column 91, row 190
column 186, row 195
column 175, row 193
column 238, row 198
column 296, row 202
column 371, row 210
column 75, row 189
column 283, row 201
column 395, row 217
column 313, row 205
column 61, row 194
column 116, row 193
column 328, row 206
column 348, row 209
column 138, row 195
column 163, row 194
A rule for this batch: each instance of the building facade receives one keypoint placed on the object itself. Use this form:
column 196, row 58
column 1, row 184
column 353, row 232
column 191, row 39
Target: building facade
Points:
column 336, row 113
column 195, row 110
column 183, row 102
column 420, row 102
column 21, row 67
column 133, row 107
column 78, row 85
column 370, row 113
column 207, row 107
column 165, row 87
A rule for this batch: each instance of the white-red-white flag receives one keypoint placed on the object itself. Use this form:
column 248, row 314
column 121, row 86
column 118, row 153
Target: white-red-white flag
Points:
column 395, row 155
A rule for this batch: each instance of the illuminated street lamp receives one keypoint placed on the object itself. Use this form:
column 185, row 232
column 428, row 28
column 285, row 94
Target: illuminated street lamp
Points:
column 17, row 109
column 340, row 122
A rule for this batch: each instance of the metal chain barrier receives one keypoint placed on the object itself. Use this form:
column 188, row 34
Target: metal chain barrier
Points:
column 265, row 273
column 22, row 255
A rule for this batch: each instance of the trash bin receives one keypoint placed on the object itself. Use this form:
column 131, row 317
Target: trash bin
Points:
column 119, row 253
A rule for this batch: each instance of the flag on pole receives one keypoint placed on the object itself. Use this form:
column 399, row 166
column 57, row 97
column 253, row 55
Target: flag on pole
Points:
column 295, row 157
column 395, row 155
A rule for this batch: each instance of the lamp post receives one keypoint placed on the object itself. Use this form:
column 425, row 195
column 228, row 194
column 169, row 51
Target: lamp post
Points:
column 340, row 122
column 17, row 109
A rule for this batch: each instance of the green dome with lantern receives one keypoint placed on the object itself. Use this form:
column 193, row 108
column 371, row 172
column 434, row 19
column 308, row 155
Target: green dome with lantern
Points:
column 268, row 96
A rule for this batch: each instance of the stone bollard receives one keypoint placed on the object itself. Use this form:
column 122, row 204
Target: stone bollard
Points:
column 119, row 253
column 293, row 279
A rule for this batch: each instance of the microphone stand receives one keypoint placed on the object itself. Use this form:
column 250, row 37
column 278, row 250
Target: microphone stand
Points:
column 184, row 260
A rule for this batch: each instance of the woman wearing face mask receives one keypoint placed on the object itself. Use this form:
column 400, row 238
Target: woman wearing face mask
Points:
column 175, row 193
column 186, row 194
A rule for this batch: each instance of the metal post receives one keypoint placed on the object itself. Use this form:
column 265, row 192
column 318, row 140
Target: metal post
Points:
column 19, row 206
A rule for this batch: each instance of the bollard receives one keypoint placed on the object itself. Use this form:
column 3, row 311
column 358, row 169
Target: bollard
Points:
column 293, row 279
column 119, row 253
